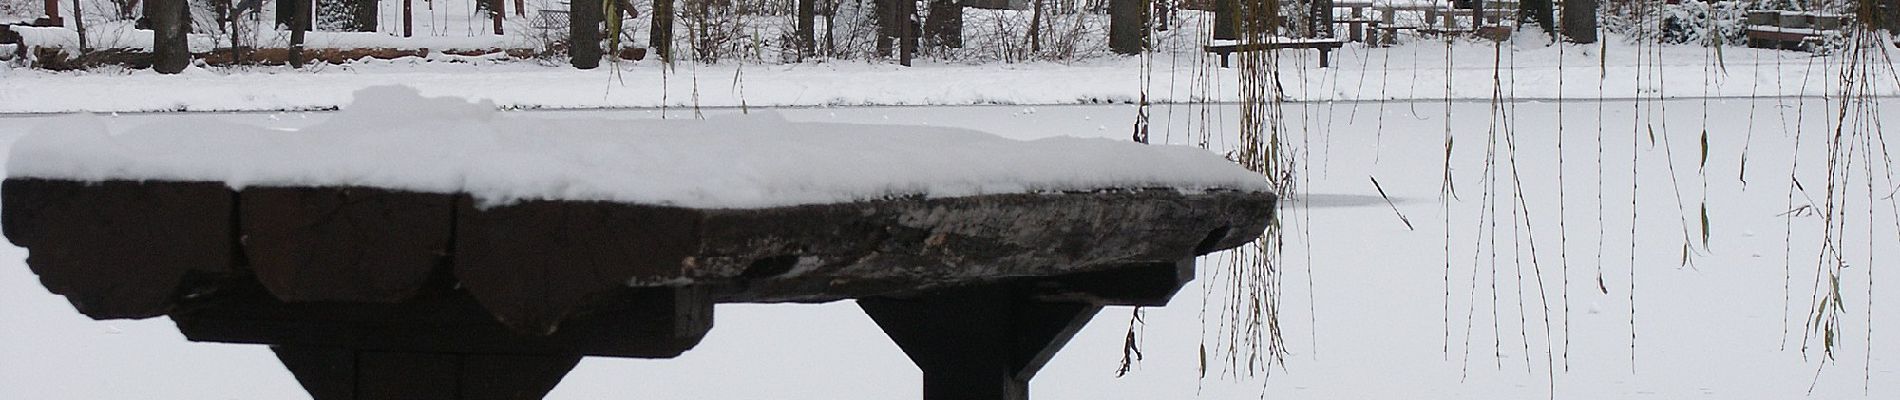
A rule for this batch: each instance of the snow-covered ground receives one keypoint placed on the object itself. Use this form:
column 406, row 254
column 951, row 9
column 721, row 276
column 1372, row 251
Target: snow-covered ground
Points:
column 1417, row 70
column 1366, row 297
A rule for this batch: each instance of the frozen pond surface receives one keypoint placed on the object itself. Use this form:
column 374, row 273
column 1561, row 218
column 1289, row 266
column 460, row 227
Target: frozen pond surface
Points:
column 1366, row 298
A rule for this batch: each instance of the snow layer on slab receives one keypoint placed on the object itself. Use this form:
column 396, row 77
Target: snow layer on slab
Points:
column 393, row 137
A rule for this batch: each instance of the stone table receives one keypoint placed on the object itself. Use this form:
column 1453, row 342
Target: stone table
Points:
column 368, row 293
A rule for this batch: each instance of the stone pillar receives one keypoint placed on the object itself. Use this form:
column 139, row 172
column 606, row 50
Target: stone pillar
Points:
column 345, row 374
column 978, row 343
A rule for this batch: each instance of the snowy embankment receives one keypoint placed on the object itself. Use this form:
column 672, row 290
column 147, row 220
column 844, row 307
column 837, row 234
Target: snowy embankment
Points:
column 1416, row 70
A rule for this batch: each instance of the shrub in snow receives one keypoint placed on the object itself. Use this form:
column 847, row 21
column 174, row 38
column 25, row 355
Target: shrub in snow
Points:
column 1716, row 23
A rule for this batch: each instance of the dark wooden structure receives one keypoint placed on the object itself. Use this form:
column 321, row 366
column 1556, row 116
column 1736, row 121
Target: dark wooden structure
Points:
column 1325, row 47
column 369, row 293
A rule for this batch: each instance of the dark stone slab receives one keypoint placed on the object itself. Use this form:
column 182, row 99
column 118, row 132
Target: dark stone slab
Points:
column 629, row 322
column 332, row 254
column 345, row 244
column 377, row 294
column 120, row 249
column 849, row 250
column 534, row 263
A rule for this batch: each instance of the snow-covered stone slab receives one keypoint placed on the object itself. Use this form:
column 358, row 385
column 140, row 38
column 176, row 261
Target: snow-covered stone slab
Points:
column 540, row 219
column 393, row 138
column 410, row 234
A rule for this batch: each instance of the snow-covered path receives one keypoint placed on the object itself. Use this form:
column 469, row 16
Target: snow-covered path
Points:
column 1378, row 326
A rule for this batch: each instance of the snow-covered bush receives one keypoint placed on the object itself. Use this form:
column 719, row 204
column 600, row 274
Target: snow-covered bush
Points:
column 1691, row 22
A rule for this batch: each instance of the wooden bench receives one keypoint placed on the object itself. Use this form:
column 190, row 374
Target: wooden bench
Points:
column 1360, row 26
column 1325, row 46
column 1792, row 30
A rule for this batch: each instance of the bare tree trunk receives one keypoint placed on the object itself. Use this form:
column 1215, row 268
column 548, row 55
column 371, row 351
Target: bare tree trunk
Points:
column 79, row 23
column 807, row 27
column 583, row 33
column 495, row 12
column 228, row 21
column 660, row 36
column 299, row 23
column 1890, row 15
column 1322, row 19
column 906, row 19
column 368, row 13
column 1128, row 26
column 944, row 25
column 1035, row 26
column 1580, row 21
column 1226, row 19
column 831, row 18
column 1537, row 12
column 170, row 20
column 1477, row 14
column 886, row 11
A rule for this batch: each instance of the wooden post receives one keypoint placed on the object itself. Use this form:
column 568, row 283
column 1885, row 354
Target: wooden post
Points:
column 583, row 33
column 978, row 343
column 1127, row 26
column 170, row 21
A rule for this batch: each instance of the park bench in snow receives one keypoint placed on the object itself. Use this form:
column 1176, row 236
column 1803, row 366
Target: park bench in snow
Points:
column 1325, row 46
column 1793, row 30
column 413, row 248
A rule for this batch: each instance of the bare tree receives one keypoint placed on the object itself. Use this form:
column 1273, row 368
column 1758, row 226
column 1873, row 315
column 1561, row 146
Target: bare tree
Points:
column 1580, row 21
